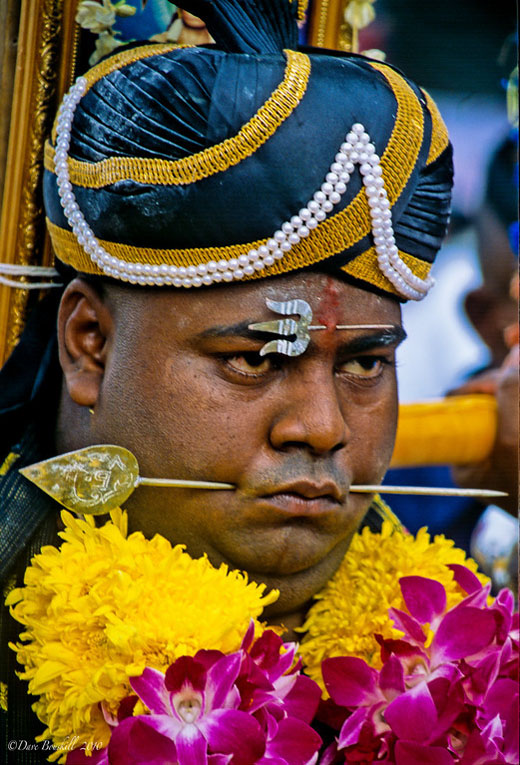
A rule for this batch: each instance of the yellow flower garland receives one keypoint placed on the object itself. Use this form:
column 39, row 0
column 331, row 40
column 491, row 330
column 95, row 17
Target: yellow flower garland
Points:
column 354, row 604
column 104, row 606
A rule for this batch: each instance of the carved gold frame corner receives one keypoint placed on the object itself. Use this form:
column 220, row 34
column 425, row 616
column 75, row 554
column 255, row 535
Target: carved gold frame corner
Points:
column 327, row 27
column 44, row 67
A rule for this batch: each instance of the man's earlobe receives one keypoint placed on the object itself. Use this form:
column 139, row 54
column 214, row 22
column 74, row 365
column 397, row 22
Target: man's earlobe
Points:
column 84, row 325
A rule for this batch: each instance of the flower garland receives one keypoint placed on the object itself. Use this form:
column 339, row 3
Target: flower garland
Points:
column 131, row 653
column 105, row 606
column 354, row 604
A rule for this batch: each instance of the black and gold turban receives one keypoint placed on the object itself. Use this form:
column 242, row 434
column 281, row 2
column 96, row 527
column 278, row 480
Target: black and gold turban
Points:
column 184, row 159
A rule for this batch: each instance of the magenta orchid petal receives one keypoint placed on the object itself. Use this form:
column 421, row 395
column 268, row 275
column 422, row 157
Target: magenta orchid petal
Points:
column 79, row 757
column 391, row 678
column 408, row 624
column 295, row 742
column 465, row 578
column 136, row 742
column 412, row 753
column 477, row 598
column 219, row 759
column 248, row 637
column 413, row 715
column 208, row 657
column 350, row 681
column 503, row 607
column 220, row 680
column 266, row 654
column 230, row 731
column 462, row 633
column 303, row 699
column 185, row 671
column 191, row 746
column 351, row 730
column 425, row 598
column 150, row 687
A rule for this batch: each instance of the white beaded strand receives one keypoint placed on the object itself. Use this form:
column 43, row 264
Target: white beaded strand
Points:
column 357, row 149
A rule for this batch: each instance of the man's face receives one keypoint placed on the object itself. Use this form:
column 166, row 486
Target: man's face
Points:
column 186, row 390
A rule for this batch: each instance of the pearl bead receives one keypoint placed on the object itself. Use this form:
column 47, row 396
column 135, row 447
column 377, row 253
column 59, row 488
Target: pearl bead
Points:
column 285, row 246
column 286, row 227
column 303, row 231
column 296, row 221
column 238, row 274
column 305, row 214
column 222, row 265
column 212, row 267
column 327, row 188
column 249, row 270
column 335, row 197
column 272, row 244
column 243, row 260
column 191, row 271
column 252, row 255
column 233, row 263
column 258, row 265
column 320, row 215
column 207, row 280
column 227, row 276
column 269, row 260
column 327, row 206
column 319, row 197
column 202, row 269
column 312, row 223
column 279, row 236
column 294, row 238
column 313, row 206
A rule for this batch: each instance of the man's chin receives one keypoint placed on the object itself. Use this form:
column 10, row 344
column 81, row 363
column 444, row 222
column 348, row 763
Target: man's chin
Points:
column 297, row 555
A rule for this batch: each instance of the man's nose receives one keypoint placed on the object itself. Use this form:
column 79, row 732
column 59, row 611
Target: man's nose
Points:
column 311, row 414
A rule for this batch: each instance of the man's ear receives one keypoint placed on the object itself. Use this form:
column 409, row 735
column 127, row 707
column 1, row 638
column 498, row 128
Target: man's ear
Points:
column 85, row 325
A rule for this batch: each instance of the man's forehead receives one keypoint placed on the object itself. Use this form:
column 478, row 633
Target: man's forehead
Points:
column 330, row 300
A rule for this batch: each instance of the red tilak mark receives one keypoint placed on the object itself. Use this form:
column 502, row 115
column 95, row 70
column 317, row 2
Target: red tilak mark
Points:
column 327, row 313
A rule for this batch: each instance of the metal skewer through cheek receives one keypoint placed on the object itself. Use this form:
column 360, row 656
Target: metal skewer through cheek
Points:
column 426, row 491
column 99, row 478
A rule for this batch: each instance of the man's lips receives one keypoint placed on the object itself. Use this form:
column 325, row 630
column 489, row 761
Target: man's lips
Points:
column 304, row 498
column 309, row 490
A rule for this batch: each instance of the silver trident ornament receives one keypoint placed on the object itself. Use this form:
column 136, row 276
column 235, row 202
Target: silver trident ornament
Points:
column 287, row 327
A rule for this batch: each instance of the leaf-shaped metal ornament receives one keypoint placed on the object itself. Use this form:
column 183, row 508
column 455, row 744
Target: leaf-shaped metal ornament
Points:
column 97, row 479
column 91, row 481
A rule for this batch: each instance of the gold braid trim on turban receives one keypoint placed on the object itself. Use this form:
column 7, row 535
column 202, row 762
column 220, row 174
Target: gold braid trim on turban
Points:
column 215, row 159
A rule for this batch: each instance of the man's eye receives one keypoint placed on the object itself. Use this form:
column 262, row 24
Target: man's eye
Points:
column 250, row 363
column 363, row 366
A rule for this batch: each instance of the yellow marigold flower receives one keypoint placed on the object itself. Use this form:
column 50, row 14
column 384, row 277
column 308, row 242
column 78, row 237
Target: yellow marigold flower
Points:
column 104, row 606
column 354, row 604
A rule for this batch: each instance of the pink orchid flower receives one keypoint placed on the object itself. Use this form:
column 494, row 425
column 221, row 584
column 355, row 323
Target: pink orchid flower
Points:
column 454, row 701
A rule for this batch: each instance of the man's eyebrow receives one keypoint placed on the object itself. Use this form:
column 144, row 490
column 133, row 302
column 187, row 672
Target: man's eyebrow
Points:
column 231, row 330
column 389, row 336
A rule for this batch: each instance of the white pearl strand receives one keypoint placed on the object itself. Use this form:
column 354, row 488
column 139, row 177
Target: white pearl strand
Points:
column 357, row 149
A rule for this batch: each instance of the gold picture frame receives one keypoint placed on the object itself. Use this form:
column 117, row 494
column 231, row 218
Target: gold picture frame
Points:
column 42, row 72
column 36, row 72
